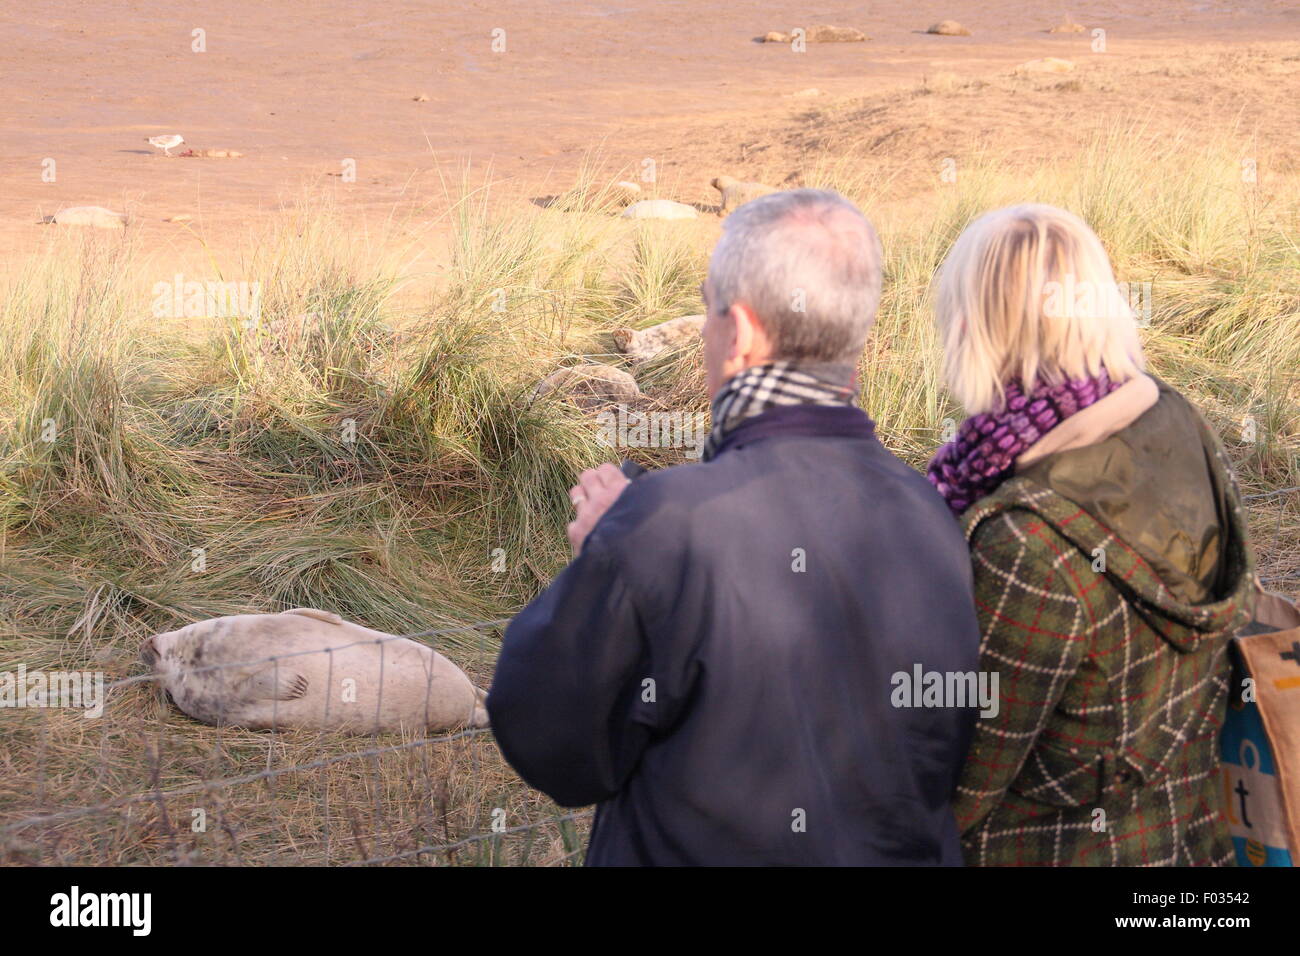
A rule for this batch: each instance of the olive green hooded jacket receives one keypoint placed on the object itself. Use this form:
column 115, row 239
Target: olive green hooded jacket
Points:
column 1109, row 580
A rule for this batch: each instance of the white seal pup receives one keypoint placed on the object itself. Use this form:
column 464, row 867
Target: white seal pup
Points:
column 96, row 216
column 659, row 209
column 328, row 676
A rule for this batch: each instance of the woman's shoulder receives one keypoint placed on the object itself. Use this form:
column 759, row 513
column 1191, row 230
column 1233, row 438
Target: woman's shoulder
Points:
column 1019, row 507
column 1024, row 531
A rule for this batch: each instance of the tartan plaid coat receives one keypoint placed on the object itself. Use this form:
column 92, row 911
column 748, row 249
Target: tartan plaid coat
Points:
column 1112, row 691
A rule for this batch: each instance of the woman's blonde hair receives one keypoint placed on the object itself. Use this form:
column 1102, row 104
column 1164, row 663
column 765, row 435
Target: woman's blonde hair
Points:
column 1027, row 295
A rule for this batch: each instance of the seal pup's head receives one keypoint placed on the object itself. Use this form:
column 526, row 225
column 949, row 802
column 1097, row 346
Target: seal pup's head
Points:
column 149, row 654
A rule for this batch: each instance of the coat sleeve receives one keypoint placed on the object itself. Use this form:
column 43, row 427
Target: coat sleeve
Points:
column 562, row 701
column 1034, row 632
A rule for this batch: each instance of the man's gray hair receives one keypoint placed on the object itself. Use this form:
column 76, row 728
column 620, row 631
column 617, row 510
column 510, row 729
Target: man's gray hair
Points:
column 808, row 263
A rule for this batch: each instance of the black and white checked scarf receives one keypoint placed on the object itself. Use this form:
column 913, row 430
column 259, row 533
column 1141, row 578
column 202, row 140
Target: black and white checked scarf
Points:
column 762, row 387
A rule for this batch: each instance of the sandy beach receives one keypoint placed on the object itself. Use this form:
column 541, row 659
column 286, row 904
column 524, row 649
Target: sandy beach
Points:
column 298, row 94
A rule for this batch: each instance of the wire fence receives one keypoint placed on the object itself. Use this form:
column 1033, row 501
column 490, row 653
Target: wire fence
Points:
column 144, row 783
column 370, row 796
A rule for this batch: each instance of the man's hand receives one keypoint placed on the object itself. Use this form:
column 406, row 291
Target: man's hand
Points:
column 592, row 496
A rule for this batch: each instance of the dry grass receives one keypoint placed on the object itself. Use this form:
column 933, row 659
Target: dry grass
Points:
column 206, row 434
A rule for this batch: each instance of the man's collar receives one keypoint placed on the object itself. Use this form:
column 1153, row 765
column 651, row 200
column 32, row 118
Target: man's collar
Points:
column 775, row 384
column 810, row 421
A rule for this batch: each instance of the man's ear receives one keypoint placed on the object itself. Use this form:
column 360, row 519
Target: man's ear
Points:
column 737, row 331
column 750, row 342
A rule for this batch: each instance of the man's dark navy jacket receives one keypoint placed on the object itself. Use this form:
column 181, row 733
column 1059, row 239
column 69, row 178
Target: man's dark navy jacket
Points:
column 715, row 668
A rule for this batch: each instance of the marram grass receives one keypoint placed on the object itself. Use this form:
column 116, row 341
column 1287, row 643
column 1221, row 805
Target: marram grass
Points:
column 388, row 462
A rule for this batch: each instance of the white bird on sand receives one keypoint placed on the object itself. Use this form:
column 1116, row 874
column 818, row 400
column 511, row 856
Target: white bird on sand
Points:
column 166, row 143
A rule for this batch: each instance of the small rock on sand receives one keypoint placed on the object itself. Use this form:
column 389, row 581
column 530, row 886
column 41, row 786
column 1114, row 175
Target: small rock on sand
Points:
column 641, row 345
column 820, row 33
column 659, row 209
column 948, row 28
column 421, row 97
column 96, row 216
column 1047, row 64
column 591, row 386
column 736, row 193
column 1069, row 26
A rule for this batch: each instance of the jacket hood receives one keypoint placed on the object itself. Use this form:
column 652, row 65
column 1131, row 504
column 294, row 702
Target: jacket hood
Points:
column 1157, row 509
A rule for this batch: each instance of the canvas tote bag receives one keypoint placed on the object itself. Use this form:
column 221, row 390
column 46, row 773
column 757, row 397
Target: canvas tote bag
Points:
column 1260, row 745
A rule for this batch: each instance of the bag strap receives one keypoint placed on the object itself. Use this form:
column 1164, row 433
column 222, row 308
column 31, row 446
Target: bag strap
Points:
column 1274, row 610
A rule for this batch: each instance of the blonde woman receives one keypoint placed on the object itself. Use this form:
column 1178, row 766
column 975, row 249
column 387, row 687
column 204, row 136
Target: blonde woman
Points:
column 1110, row 556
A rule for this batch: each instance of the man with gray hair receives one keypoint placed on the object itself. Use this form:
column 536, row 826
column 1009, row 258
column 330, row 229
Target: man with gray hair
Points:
column 718, row 666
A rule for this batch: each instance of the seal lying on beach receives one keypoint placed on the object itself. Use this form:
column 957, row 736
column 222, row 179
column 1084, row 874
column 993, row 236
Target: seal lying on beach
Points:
column 659, row 209
column 96, row 216
column 734, row 192
column 644, row 344
column 216, row 672
column 820, row 33
column 591, row 385
column 948, row 28
column 1047, row 64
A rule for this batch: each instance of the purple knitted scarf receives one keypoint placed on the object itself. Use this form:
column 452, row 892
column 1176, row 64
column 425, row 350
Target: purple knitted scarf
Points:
column 984, row 453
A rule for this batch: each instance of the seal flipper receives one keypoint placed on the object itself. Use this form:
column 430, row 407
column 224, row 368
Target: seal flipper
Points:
column 272, row 683
column 479, row 717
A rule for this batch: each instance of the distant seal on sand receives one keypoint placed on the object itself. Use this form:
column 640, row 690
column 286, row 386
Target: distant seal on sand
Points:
column 96, row 216
column 735, row 193
column 1048, row 64
column 644, row 344
column 948, row 28
column 659, row 209
column 625, row 192
column 212, row 154
column 820, row 33
column 591, row 385
column 215, row 671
